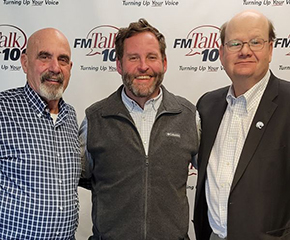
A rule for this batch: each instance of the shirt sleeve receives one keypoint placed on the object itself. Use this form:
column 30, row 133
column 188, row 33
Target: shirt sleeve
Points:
column 198, row 127
column 86, row 158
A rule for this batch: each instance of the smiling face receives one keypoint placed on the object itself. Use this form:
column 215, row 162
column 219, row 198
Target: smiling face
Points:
column 247, row 65
column 47, row 63
column 142, row 67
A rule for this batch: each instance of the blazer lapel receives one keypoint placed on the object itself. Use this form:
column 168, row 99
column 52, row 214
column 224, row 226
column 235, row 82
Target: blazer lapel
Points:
column 264, row 112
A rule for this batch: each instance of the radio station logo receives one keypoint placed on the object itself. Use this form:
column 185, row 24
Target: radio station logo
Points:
column 202, row 41
column 100, row 41
column 13, row 41
column 283, row 43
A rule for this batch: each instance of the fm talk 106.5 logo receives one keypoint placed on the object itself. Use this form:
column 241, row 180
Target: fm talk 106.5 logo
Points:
column 100, row 41
column 201, row 41
column 13, row 41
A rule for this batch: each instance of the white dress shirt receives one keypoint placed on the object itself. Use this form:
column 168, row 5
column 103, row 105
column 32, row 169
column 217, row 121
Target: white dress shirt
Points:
column 143, row 118
column 226, row 152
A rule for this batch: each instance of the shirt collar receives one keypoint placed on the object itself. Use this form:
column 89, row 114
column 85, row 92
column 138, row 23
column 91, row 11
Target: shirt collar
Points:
column 131, row 105
column 252, row 96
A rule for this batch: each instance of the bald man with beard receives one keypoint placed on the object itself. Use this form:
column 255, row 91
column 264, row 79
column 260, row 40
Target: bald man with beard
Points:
column 40, row 156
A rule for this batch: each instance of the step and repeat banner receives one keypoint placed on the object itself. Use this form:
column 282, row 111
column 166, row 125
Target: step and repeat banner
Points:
column 191, row 28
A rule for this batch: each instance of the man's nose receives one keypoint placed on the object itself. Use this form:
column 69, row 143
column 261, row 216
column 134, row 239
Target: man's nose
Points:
column 54, row 65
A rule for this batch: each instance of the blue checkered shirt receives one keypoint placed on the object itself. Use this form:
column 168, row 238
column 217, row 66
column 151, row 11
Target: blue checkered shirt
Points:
column 39, row 168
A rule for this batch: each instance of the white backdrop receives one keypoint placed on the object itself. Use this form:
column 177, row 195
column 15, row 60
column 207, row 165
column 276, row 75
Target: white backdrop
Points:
column 191, row 31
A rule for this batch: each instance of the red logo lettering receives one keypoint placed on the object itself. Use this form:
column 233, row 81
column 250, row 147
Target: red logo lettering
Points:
column 203, row 37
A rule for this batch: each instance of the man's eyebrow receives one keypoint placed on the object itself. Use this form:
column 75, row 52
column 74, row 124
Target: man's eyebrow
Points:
column 47, row 54
column 65, row 56
column 43, row 53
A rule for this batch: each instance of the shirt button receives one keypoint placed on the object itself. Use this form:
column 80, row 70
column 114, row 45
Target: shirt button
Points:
column 61, row 208
column 57, row 233
column 59, row 181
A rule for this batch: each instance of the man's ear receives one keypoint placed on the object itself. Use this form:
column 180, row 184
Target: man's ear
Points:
column 119, row 66
column 24, row 62
column 221, row 53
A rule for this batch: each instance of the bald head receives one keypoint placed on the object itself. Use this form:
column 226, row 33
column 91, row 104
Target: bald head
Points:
column 248, row 16
column 50, row 34
column 250, row 13
column 47, row 64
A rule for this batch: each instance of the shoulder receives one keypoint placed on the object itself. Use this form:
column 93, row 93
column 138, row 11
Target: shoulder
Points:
column 279, row 87
column 283, row 93
column 210, row 97
column 175, row 101
column 12, row 97
column 96, row 106
column 71, row 109
column 185, row 103
column 284, row 86
column 11, row 94
column 108, row 103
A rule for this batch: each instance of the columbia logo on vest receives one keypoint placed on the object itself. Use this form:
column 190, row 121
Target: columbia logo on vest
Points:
column 173, row 135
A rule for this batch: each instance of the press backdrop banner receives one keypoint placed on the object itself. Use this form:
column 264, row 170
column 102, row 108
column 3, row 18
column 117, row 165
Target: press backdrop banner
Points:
column 191, row 29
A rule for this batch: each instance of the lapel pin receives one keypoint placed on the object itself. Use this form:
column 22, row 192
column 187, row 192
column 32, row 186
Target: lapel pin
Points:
column 259, row 125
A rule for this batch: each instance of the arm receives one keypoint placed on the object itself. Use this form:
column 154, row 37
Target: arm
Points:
column 86, row 158
column 198, row 127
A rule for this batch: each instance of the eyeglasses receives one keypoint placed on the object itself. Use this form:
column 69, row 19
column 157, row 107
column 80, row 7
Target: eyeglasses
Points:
column 255, row 44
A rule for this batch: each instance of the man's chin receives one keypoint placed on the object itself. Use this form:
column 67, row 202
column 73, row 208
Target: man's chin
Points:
column 144, row 92
column 51, row 95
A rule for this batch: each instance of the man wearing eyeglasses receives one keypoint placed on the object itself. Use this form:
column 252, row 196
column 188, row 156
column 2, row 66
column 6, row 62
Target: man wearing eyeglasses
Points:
column 244, row 158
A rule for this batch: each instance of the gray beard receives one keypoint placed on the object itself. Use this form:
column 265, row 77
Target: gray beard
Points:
column 50, row 93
